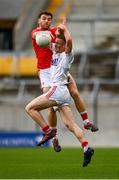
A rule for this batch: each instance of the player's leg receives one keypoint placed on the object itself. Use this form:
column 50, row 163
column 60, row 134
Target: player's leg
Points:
column 68, row 119
column 44, row 76
column 34, row 108
column 52, row 120
column 52, row 117
column 80, row 105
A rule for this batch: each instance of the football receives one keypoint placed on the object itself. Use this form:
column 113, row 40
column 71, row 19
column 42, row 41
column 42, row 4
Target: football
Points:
column 43, row 38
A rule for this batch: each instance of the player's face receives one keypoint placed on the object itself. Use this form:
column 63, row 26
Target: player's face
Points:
column 59, row 45
column 44, row 22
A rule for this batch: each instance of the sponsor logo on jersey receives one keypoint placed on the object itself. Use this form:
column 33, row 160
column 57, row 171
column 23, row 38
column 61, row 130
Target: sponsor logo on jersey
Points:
column 55, row 62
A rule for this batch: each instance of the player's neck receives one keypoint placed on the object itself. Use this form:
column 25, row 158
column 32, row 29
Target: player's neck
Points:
column 43, row 29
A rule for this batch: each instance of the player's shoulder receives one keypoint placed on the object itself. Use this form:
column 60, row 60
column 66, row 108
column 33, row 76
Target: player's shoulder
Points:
column 34, row 31
column 53, row 29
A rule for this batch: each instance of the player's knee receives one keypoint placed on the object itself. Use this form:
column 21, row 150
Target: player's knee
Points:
column 28, row 108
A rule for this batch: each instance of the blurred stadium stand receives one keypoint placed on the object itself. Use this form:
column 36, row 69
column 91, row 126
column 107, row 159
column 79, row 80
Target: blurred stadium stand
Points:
column 17, row 65
column 94, row 25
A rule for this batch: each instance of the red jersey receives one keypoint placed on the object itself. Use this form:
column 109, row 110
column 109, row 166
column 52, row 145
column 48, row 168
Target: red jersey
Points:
column 43, row 55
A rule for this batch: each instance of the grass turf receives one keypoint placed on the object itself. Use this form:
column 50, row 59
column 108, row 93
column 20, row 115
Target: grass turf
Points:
column 44, row 163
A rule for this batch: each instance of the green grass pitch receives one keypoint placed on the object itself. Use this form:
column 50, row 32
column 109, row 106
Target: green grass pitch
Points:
column 44, row 163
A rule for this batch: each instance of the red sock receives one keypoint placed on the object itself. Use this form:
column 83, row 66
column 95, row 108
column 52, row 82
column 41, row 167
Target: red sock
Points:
column 84, row 115
column 46, row 129
column 85, row 145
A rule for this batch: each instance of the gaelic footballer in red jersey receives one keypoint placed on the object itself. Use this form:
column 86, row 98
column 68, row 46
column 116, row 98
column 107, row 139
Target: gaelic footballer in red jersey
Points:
column 43, row 55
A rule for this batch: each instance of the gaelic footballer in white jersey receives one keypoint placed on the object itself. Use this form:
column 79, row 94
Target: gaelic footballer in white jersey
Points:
column 61, row 63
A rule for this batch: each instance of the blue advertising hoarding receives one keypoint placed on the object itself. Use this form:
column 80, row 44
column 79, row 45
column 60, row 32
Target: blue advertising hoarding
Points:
column 20, row 139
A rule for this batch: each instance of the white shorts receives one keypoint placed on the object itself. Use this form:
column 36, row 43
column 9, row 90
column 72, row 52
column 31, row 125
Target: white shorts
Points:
column 44, row 76
column 60, row 94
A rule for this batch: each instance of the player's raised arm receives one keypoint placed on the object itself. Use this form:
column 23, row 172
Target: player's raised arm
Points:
column 60, row 32
column 68, row 38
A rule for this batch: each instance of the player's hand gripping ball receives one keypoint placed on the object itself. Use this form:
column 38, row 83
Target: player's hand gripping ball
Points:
column 43, row 39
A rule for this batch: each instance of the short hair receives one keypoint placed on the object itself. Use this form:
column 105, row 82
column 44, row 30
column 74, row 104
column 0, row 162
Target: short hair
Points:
column 45, row 13
column 61, row 36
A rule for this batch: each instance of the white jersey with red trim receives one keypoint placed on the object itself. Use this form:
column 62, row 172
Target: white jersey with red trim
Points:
column 61, row 63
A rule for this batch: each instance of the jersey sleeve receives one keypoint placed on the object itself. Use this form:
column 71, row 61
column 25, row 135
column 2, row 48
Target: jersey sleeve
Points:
column 70, row 57
column 53, row 30
column 32, row 33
